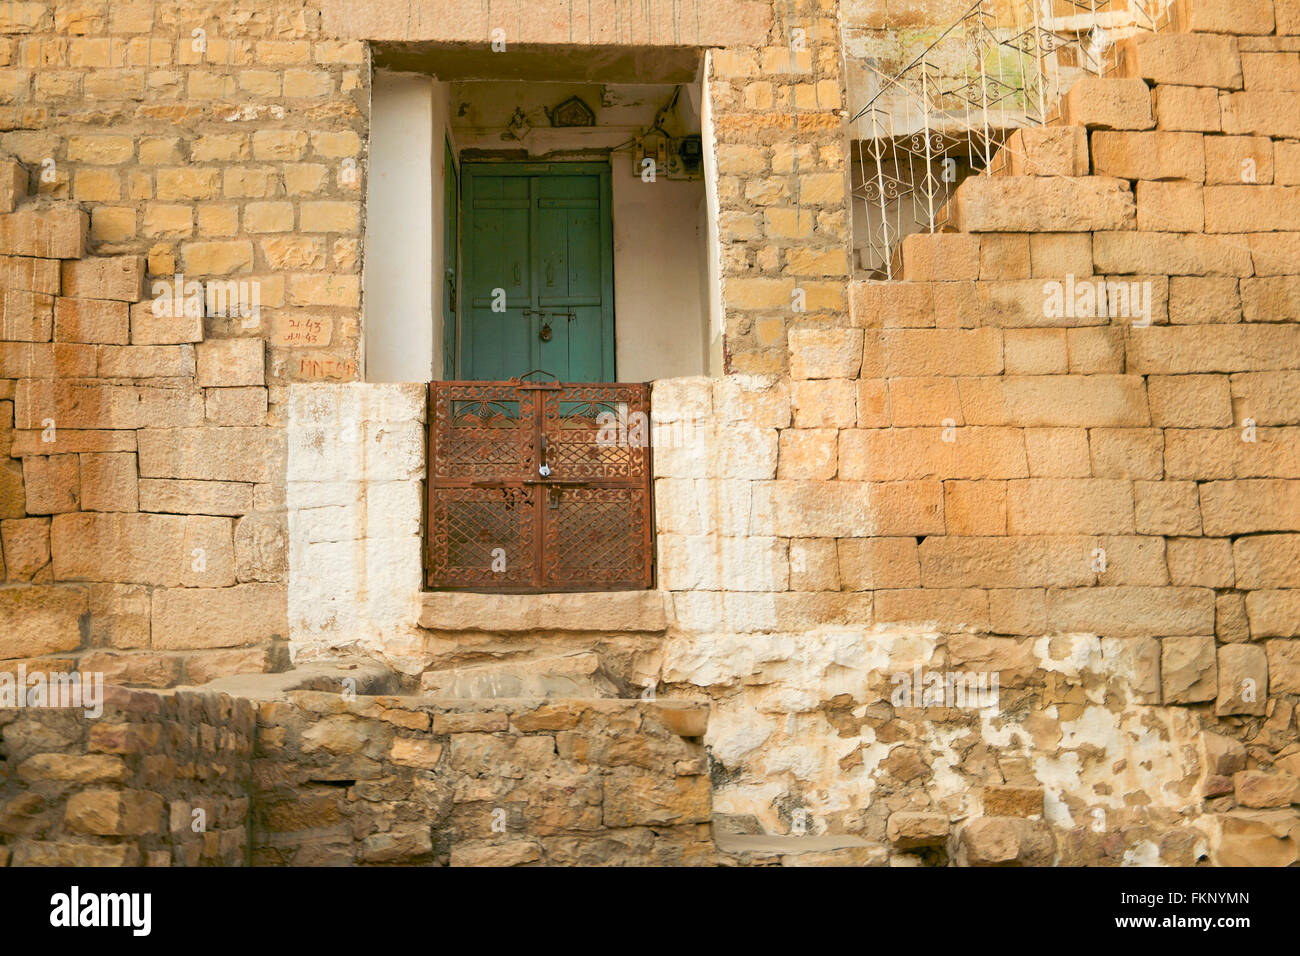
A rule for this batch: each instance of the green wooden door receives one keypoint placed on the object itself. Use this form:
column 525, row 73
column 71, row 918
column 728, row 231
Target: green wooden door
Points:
column 539, row 271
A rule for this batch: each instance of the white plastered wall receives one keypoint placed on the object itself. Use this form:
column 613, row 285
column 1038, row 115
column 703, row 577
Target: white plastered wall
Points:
column 402, row 320
column 659, row 324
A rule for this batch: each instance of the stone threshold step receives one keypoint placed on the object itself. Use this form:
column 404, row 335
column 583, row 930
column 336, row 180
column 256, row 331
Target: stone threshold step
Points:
column 581, row 674
column 587, row 612
column 827, row 850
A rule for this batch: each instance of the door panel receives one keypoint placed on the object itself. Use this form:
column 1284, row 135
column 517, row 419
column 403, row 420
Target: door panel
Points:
column 541, row 232
column 499, row 521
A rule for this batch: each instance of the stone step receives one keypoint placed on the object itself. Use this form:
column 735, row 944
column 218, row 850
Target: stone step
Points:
column 581, row 674
column 1109, row 103
column 488, row 637
column 352, row 676
column 765, row 849
column 583, row 612
column 1043, row 204
column 1182, row 59
column 1043, row 151
column 1233, row 17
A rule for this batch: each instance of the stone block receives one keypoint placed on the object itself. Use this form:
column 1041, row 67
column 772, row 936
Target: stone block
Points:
column 901, row 454
column 1144, row 253
column 1181, row 59
column 1009, row 255
column 1267, row 561
column 940, row 256
column 1260, row 789
column 13, row 185
column 891, row 304
column 1204, row 300
column 1109, row 104
column 1044, row 151
column 36, row 620
column 1054, row 401
column 825, row 353
column 1273, row 613
column 1188, row 669
column 910, row 830
column 1190, row 401
column 30, row 275
column 1238, row 160
column 868, row 564
column 1283, row 666
column 97, row 321
column 127, row 548
column 219, row 617
column 1134, row 612
column 231, row 362
column 807, row 453
column 1187, row 109
column 1166, row 207
column 184, row 496
column 53, row 484
column 1182, row 350
column 148, row 328
column 1230, row 17
column 1270, row 398
column 208, row 453
column 108, row 482
column 1261, row 114
column 1243, row 680
column 1200, row 562
column 115, row 812
column 1002, row 841
column 1043, row 204
column 119, row 615
column 116, row 277
column 26, row 544
column 77, row 406
column 44, row 232
column 146, row 361
column 1149, row 156
column 1250, row 506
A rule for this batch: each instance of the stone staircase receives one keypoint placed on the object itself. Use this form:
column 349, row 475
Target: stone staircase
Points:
column 580, row 645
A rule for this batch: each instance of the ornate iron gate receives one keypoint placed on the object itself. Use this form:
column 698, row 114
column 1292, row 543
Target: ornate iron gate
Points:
column 539, row 486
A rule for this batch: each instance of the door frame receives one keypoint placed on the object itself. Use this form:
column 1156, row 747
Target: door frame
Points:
column 451, row 261
column 600, row 168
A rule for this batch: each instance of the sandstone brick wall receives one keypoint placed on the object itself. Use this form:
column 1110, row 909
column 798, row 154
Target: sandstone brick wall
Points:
column 204, row 778
column 154, row 781
column 956, row 475
column 935, row 471
column 490, row 783
column 143, row 506
column 142, row 483
column 782, row 183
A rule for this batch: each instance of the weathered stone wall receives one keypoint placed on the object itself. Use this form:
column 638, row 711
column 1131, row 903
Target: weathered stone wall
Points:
column 355, row 497
column 155, row 780
column 204, row 778
column 782, row 183
column 1100, row 507
column 145, row 455
column 490, row 783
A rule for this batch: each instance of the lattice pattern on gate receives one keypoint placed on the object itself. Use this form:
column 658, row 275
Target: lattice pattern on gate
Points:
column 539, row 486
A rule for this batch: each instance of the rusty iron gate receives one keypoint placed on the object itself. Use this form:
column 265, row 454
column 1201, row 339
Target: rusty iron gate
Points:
column 539, row 486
